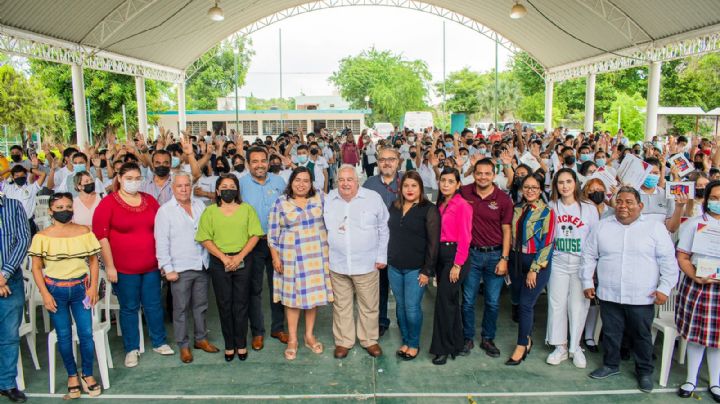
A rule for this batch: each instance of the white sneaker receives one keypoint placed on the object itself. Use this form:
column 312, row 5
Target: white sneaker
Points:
column 131, row 358
column 164, row 350
column 579, row 359
column 558, row 355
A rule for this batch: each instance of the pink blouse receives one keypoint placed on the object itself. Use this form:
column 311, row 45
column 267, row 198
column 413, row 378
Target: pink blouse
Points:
column 456, row 226
column 82, row 214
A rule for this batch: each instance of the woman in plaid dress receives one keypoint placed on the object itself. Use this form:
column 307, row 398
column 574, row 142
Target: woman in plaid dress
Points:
column 298, row 243
column 697, row 310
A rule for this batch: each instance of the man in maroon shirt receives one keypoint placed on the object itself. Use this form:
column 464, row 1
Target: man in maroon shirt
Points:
column 489, row 254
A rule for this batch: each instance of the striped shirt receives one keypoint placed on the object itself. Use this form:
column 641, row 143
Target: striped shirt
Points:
column 14, row 235
column 534, row 232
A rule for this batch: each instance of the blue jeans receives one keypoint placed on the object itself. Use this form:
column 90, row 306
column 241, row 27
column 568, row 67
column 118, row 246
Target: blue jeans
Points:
column 408, row 303
column 11, row 311
column 528, row 297
column 70, row 299
column 482, row 268
column 132, row 291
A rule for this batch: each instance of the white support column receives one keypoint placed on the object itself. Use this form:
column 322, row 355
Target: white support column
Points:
column 548, row 105
column 141, row 105
column 653, row 99
column 78, row 87
column 182, row 119
column 589, row 103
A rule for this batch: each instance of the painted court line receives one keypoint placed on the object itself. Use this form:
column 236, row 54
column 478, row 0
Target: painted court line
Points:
column 364, row 396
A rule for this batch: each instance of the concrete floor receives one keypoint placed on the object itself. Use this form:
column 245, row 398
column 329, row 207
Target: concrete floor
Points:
column 321, row 378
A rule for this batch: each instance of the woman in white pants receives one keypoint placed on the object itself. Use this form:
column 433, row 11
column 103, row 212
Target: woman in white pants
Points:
column 566, row 302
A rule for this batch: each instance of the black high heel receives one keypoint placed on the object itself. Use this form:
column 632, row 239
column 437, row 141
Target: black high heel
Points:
column 439, row 359
column 242, row 356
column 229, row 357
column 513, row 362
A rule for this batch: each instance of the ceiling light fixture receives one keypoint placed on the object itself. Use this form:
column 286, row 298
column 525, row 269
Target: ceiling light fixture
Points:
column 216, row 13
column 517, row 11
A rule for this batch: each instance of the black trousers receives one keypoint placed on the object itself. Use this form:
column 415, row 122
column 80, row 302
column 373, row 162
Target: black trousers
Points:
column 369, row 169
column 447, row 338
column 637, row 321
column 260, row 266
column 232, row 294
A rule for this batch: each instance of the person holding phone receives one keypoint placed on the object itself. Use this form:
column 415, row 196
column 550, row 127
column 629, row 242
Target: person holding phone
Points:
column 69, row 285
column 229, row 230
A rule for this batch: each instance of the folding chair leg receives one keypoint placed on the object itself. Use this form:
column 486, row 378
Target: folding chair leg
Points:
column 101, row 352
column 108, row 354
column 31, row 342
column 682, row 350
column 669, row 336
column 142, row 333
column 51, row 364
column 20, row 379
column 46, row 320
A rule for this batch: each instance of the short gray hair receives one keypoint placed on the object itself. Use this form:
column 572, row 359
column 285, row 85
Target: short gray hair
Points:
column 349, row 167
column 391, row 149
column 182, row 174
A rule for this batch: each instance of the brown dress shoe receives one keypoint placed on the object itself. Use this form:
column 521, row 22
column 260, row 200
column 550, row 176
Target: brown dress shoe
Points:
column 206, row 346
column 186, row 355
column 281, row 336
column 257, row 343
column 374, row 350
column 340, row 352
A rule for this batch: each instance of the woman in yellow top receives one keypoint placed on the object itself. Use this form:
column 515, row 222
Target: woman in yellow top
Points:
column 68, row 285
column 229, row 230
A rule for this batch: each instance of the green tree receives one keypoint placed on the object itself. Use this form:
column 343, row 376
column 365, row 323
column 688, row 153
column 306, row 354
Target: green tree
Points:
column 521, row 71
column 632, row 119
column 26, row 105
column 508, row 96
column 463, row 90
column 216, row 74
column 393, row 84
column 254, row 103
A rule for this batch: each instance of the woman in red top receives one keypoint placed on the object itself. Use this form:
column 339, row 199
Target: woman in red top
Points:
column 124, row 223
column 350, row 152
column 452, row 267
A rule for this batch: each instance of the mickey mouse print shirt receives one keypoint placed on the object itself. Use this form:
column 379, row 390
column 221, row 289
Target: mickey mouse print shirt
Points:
column 572, row 225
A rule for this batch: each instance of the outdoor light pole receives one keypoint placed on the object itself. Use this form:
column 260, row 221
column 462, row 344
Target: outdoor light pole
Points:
column 367, row 102
column 236, row 51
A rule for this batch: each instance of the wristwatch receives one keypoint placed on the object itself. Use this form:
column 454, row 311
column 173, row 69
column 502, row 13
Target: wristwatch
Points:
column 505, row 257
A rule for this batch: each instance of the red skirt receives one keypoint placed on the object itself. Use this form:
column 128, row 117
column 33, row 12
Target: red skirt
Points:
column 697, row 312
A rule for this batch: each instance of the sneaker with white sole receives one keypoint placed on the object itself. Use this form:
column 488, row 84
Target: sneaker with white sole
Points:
column 164, row 350
column 579, row 359
column 131, row 358
column 557, row 356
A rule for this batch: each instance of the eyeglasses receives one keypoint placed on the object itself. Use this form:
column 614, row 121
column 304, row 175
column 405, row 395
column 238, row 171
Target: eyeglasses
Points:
column 534, row 189
column 387, row 160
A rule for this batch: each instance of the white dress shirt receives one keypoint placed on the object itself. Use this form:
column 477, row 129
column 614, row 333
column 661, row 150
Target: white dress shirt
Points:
column 358, row 232
column 26, row 194
column 175, row 245
column 632, row 261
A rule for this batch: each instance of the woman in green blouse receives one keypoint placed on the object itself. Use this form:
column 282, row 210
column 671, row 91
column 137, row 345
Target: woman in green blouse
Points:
column 229, row 230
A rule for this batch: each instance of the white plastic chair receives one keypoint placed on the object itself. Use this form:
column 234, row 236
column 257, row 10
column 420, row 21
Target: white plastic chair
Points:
column 20, row 379
column 115, row 306
column 34, row 299
column 665, row 322
column 27, row 327
column 100, row 337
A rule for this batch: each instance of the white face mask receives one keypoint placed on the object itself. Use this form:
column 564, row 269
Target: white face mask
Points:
column 131, row 187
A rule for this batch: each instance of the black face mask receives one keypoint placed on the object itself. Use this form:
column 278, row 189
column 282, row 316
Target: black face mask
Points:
column 413, row 154
column 162, row 171
column 518, row 181
column 89, row 188
column 469, row 142
column 569, row 160
column 699, row 193
column 231, row 152
column 597, row 197
column 314, row 152
column 221, row 170
column 239, row 167
column 16, row 157
column 228, row 195
column 699, row 165
column 20, row 181
column 63, row 216
column 103, row 163
column 275, row 168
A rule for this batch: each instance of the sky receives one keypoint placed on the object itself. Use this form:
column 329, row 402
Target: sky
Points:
column 314, row 43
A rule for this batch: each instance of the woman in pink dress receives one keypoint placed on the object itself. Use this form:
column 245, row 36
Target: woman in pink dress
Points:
column 350, row 152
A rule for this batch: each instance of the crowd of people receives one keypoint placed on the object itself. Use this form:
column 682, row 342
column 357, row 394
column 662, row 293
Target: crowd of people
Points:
column 339, row 219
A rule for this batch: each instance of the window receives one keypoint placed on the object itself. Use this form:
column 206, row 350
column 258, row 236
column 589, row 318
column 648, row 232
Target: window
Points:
column 196, row 127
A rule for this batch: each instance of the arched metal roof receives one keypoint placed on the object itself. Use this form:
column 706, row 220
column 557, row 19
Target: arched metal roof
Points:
column 567, row 37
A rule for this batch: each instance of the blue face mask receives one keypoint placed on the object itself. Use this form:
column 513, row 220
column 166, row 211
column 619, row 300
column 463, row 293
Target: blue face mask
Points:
column 302, row 159
column 600, row 162
column 79, row 168
column 449, row 145
column 586, row 157
column 651, row 181
column 175, row 162
column 714, row 207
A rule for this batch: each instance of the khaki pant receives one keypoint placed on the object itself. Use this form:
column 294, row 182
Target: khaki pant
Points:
column 365, row 287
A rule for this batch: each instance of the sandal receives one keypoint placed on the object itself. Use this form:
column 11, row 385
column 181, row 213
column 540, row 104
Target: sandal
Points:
column 291, row 350
column 92, row 390
column 317, row 347
column 73, row 392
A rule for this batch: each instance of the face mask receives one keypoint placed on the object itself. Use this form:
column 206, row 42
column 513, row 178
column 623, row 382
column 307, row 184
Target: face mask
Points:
column 239, row 167
column 314, row 152
column 131, row 187
column 699, row 193
column 469, row 142
column 411, row 139
column 63, row 216
column 274, row 168
column 651, row 181
column 413, row 154
column 548, row 163
column 449, row 145
column 20, row 181
column 600, row 162
column 103, row 163
column 699, row 165
column 231, row 152
column 228, row 195
column 221, row 169
column 482, row 151
column 585, row 157
column 89, row 188
column 461, row 160
column 175, row 162
column 16, row 157
column 162, row 171
column 321, row 144
column 518, row 180
column 714, row 207
column 569, row 160
column 597, row 197
column 301, row 159
column 79, row 168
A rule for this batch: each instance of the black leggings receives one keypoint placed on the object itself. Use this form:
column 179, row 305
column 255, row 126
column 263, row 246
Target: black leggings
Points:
column 232, row 293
